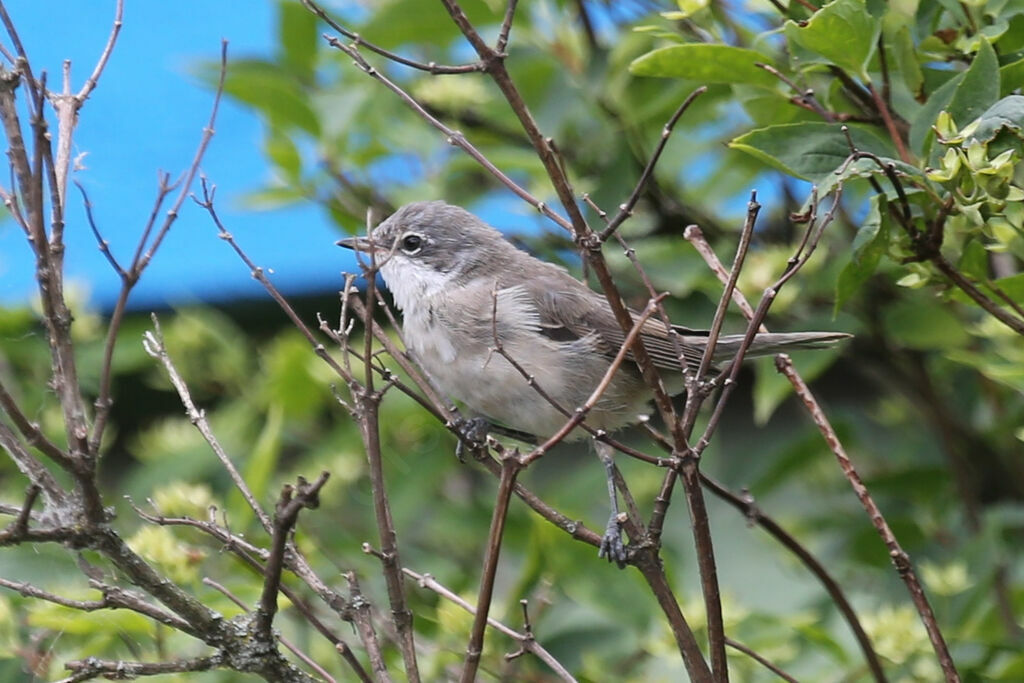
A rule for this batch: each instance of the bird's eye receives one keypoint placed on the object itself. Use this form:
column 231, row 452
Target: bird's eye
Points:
column 411, row 243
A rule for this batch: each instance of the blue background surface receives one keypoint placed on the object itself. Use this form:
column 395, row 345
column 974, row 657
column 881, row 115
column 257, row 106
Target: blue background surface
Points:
column 147, row 115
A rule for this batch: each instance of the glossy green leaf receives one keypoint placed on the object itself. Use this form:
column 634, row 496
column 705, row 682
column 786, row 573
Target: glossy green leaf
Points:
column 979, row 89
column 1006, row 113
column 921, row 127
column 842, row 33
column 1011, row 77
column 974, row 260
column 705, row 63
column 810, row 149
column 902, row 45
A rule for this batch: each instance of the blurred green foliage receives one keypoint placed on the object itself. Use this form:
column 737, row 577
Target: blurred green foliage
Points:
column 928, row 398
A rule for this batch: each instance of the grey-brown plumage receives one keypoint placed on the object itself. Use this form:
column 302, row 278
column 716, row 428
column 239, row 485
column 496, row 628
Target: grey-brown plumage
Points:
column 458, row 282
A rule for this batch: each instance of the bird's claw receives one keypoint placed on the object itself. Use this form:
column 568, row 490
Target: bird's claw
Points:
column 612, row 548
column 472, row 435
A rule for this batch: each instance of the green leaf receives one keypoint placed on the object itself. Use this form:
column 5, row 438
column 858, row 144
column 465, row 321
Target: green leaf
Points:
column 1011, row 77
column 810, row 150
column 922, row 323
column 1006, row 113
column 1012, row 286
column 938, row 101
column 902, row 45
column 272, row 91
column 401, row 22
column 842, row 32
column 974, row 260
column 979, row 89
column 868, row 246
column 705, row 63
column 298, row 34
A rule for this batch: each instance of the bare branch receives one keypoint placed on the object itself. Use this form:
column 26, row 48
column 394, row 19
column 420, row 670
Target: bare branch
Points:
column 526, row 640
column 293, row 499
column 510, row 466
column 358, row 41
column 153, row 343
column 749, row 509
column 141, row 259
column 626, row 210
column 101, row 63
column 369, row 427
column 93, row 667
column 760, row 659
column 453, row 137
column 306, row 659
column 899, row 557
column 506, row 27
column 33, row 435
column 103, row 244
column 33, row 470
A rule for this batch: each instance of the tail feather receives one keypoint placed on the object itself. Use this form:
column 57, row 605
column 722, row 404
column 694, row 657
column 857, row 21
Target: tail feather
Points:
column 768, row 343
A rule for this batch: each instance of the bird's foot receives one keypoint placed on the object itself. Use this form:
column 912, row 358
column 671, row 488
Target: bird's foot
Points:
column 612, row 548
column 472, row 435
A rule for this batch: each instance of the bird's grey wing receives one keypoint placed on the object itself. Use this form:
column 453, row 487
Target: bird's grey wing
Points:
column 569, row 311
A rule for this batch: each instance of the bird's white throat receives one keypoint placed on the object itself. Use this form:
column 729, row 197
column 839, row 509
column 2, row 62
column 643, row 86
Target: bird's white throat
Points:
column 410, row 282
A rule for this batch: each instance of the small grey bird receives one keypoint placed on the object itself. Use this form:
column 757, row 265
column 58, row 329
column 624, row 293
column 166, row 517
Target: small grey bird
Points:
column 459, row 284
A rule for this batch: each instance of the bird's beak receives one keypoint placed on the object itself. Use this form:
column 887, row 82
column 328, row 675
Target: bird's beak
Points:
column 357, row 244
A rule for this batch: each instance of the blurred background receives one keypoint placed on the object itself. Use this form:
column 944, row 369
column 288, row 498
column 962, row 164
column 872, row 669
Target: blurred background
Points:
column 928, row 397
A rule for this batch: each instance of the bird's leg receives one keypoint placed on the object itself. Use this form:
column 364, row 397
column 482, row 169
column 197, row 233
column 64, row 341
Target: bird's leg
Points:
column 612, row 546
column 472, row 434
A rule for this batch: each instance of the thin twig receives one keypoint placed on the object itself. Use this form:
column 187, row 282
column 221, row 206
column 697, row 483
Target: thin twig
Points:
column 141, row 259
column 804, row 96
column 369, row 427
column 760, row 659
column 104, row 245
column 899, row 557
column 746, row 505
column 526, row 640
column 359, row 41
column 153, row 342
column 626, row 209
column 581, row 412
column 452, row 137
column 510, row 467
column 286, row 514
column 506, row 26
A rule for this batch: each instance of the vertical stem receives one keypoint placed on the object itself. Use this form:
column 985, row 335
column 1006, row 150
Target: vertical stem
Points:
column 706, row 563
column 510, row 466
column 899, row 557
column 369, row 425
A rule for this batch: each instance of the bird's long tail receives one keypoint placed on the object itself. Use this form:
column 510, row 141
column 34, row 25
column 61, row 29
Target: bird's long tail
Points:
column 767, row 343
